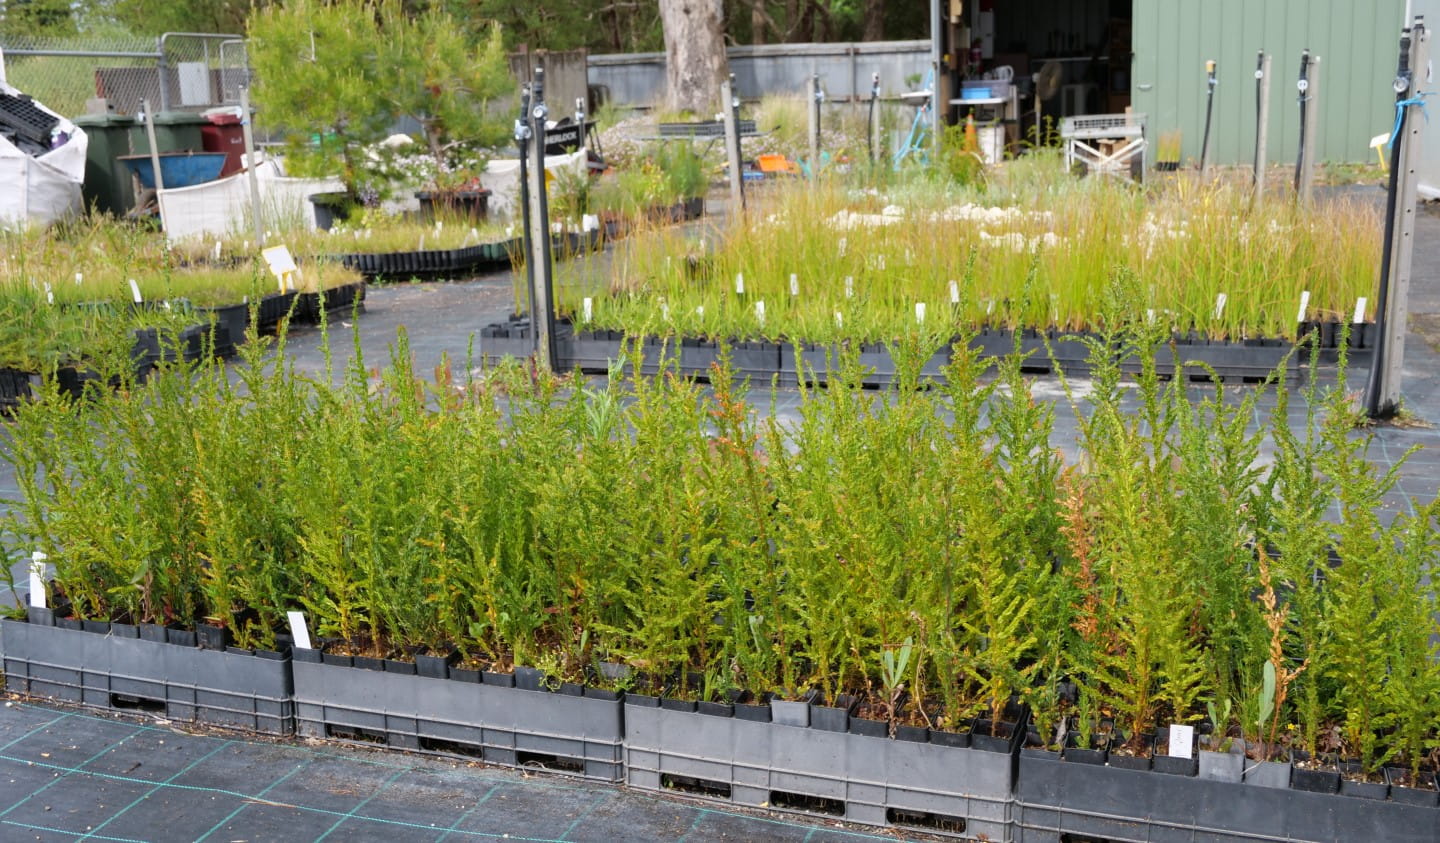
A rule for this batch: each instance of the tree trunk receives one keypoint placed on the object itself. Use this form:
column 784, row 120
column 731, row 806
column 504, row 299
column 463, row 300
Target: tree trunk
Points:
column 695, row 54
column 874, row 21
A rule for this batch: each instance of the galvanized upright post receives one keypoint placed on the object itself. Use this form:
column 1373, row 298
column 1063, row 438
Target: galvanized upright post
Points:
column 1309, row 88
column 161, row 73
column 542, row 318
column 876, row 152
column 814, row 98
column 1383, row 392
column 154, row 159
column 730, row 111
column 247, row 129
column 1209, row 113
column 1262, row 121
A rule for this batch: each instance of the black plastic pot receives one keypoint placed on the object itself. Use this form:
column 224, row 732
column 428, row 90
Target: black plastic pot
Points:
column 340, row 300
column 1322, row 779
column 231, row 322
column 14, row 388
column 273, row 308
column 467, row 203
column 1421, row 793
column 1093, row 754
column 331, row 208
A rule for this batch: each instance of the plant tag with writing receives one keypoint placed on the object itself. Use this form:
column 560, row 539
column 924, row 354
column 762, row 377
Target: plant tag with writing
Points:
column 299, row 631
column 281, row 264
column 1360, row 310
column 49, row 293
column 1182, row 741
column 587, row 306
column 760, row 312
column 1304, row 305
column 849, row 286
column 920, row 312
column 954, row 293
column 37, row 579
column 839, row 320
column 135, row 292
column 1220, row 305
column 739, row 284
column 794, row 285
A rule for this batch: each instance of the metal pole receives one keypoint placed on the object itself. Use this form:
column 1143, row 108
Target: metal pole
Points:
column 937, row 24
column 1309, row 89
column 730, row 109
column 1383, row 389
column 875, row 150
column 1209, row 111
column 160, row 67
column 522, row 195
column 154, row 158
column 248, row 131
column 1262, row 120
column 543, row 318
column 814, row 125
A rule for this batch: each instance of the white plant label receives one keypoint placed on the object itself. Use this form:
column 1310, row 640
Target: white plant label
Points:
column 1055, row 307
column 1220, row 305
column 587, row 306
column 880, row 262
column 79, row 279
column 739, row 284
column 1150, row 316
column 1182, row 741
column 49, row 293
column 954, row 293
column 1304, row 305
column 474, row 235
column 665, row 311
column 439, row 227
column 920, row 312
column 849, row 286
column 760, row 312
column 298, row 630
column 839, row 320
column 1360, row 309
column 989, row 306
column 37, row 579
column 281, row 263
column 842, row 245
column 700, row 311
column 217, row 250
column 135, row 292
column 794, row 285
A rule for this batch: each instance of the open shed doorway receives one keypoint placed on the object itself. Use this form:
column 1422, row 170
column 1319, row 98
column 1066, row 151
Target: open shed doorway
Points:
column 1077, row 53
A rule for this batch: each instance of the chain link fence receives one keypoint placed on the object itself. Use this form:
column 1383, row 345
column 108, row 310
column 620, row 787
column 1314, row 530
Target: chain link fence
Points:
column 176, row 71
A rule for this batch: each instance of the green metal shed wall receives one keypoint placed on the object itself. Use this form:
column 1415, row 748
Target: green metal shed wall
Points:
column 1357, row 40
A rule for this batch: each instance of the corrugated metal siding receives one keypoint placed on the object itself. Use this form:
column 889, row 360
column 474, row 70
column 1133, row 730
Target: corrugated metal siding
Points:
column 1357, row 40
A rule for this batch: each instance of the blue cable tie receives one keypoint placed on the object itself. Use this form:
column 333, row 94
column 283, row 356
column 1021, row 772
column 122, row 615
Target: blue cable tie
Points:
column 1418, row 99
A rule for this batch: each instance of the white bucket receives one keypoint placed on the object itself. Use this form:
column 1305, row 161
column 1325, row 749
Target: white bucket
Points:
column 992, row 143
